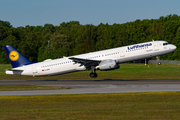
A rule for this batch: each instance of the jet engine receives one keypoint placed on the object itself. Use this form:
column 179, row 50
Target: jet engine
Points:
column 108, row 65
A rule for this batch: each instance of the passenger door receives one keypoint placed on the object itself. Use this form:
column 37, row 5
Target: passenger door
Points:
column 34, row 70
column 156, row 48
column 122, row 53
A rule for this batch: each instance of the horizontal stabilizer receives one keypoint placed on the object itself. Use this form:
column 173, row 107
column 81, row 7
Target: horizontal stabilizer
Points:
column 14, row 70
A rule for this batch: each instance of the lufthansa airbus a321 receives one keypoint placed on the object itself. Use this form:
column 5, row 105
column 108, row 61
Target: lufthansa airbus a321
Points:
column 101, row 60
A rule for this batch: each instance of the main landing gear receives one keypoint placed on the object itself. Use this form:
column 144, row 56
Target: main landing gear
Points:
column 93, row 74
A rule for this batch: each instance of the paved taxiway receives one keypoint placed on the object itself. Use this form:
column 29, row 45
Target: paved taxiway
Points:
column 92, row 86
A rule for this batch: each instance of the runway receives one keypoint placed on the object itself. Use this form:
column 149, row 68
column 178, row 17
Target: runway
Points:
column 92, row 86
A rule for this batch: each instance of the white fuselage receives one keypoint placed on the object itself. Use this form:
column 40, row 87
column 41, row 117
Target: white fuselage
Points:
column 120, row 54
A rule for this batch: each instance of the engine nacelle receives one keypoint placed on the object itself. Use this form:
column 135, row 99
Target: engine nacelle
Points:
column 108, row 65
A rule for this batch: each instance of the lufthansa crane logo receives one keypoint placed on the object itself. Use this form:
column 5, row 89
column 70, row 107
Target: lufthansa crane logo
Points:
column 13, row 55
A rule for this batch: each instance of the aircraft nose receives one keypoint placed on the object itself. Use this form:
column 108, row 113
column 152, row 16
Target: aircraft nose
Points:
column 174, row 47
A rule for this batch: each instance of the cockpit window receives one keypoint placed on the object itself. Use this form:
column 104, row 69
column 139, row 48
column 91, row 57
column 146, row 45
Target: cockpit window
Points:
column 165, row 44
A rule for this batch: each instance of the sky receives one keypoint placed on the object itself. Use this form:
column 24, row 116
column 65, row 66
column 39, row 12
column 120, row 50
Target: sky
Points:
column 41, row 12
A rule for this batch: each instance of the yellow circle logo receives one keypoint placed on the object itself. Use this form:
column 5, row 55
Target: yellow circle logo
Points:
column 13, row 55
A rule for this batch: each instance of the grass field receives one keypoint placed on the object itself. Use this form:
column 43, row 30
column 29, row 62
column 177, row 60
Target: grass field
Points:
column 127, row 71
column 112, row 106
column 119, row 106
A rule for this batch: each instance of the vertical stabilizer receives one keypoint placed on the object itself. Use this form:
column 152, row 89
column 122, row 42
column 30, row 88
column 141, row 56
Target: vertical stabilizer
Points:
column 15, row 57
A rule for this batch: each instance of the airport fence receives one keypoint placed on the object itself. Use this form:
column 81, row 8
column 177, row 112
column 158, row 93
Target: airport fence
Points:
column 164, row 61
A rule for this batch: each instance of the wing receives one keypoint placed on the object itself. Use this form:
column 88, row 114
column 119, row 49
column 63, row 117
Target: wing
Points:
column 85, row 62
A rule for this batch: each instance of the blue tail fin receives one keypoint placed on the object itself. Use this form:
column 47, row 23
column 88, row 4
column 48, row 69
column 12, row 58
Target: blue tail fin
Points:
column 15, row 57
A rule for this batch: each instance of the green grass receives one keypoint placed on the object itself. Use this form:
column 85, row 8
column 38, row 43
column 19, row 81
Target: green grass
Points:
column 127, row 71
column 118, row 106
column 17, row 88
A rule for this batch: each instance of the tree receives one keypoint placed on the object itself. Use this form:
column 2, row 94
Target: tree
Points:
column 59, row 45
column 71, row 38
column 5, row 24
column 48, row 29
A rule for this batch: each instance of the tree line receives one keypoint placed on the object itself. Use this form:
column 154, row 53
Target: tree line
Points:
column 38, row 43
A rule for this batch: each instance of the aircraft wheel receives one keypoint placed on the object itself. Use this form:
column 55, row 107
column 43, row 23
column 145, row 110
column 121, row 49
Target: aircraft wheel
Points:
column 93, row 75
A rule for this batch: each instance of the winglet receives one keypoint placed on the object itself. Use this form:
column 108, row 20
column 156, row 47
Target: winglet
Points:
column 15, row 57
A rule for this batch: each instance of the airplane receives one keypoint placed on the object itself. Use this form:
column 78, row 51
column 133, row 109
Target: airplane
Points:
column 104, row 60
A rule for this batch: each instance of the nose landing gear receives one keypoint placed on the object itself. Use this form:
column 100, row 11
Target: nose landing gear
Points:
column 158, row 60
